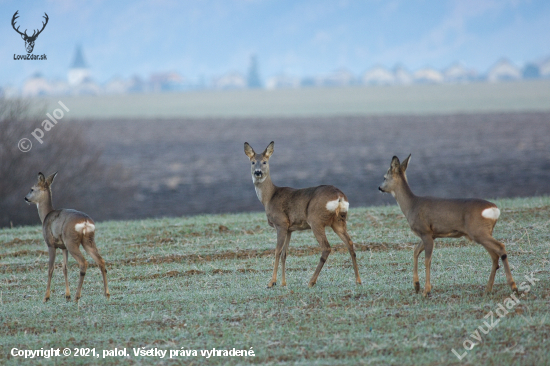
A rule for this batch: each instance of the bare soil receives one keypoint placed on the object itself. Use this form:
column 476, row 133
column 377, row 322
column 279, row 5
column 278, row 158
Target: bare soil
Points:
column 196, row 166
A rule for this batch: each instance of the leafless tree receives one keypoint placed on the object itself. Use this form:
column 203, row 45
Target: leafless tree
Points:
column 64, row 149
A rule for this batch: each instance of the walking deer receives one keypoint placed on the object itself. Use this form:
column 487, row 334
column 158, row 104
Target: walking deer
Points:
column 65, row 229
column 288, row 209
column 431, row 218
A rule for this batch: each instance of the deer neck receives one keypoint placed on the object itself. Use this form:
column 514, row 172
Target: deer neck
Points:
column 264, row 190
column 45, row 207
column 404, row 197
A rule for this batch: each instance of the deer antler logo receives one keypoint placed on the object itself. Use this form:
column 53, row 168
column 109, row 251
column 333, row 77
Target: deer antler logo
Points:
column 29, row 40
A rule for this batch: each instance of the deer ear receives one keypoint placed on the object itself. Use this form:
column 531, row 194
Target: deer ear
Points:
column 395, row 164
column 50, row 179
column 269, row 150
column 405, row 163
column 41, row 178
column 248, row 150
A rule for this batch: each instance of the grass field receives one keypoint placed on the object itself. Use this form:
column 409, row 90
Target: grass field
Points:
column 366, row 100
column 199, row 283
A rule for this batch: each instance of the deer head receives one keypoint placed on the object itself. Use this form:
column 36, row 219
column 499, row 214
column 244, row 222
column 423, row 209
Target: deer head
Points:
column 29, row 40
column 39, row 192
column 260, row 162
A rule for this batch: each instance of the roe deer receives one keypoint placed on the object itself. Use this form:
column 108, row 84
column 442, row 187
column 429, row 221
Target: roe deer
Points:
column 65, row 229
column 431, row 218
column 288, row 209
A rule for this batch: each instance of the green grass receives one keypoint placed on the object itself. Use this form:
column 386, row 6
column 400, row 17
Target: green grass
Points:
column 182, row 283
column 411, row 99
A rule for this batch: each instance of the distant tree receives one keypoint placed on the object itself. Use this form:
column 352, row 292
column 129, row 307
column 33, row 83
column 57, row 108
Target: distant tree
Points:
column 253, row 78
column 308, row 81
column 531, row 71
column 85, row 181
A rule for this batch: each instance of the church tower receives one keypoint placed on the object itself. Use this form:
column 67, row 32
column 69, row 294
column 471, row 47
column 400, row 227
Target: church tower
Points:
column 79, row 71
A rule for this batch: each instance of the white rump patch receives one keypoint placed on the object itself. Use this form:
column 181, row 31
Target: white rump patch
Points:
column 331, row 205
column 344, row 206
column 339, row 202
column 491, row 213
column 84, row 227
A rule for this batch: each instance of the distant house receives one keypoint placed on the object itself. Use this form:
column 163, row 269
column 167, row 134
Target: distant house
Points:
column 233, row 80
column 428, row 76
column 341, row 77
column 36, row 85
column 458, row 73
column 116, row 86
column 282, row 82
column 544, row 68
column 402, row 76
column 503, row 70
column 379, row 76
column 137, row 85
column 167, row 81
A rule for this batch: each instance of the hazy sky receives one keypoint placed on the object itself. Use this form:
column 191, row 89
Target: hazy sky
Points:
column 312, row 37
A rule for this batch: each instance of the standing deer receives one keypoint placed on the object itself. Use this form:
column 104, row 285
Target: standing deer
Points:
column 65, row 229
column 288, row 209
column 431, row 218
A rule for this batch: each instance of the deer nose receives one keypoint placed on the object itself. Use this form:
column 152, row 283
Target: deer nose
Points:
column 258, row 172
column 381, row 190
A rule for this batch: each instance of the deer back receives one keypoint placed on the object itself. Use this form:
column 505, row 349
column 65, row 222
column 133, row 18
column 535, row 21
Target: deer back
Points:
column 299, row 207
column 66, row 224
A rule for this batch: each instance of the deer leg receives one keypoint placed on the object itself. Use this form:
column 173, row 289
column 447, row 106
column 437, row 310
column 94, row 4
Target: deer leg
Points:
column 65, row 273
column 77, row 255
column 417, row 250
column 281, row 236
column 498, row 248
column 494, row 257
column 428, row 247
column 319, row 232
column 283, row 257
column 508, row 273
column 91, row 249
column 51, row 265
column 340, row 230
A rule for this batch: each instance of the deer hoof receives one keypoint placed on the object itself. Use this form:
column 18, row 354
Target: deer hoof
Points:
column 46, row 299
column 311, row 284
column 271, row 284
column 108, row 296
column 427, row 294
column 417, row 287
column 68, row 297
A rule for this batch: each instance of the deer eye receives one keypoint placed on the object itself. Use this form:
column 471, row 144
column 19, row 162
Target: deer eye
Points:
column 265, row 162
column 253, row 162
